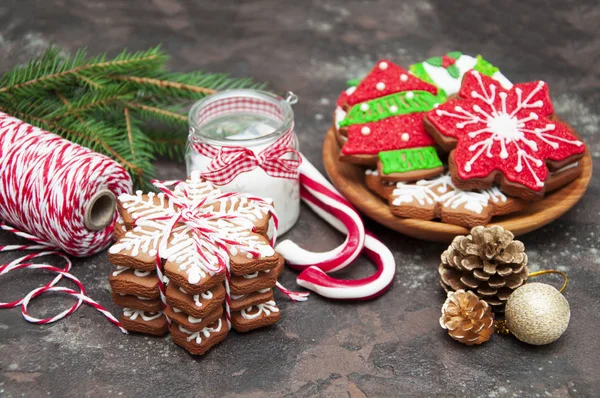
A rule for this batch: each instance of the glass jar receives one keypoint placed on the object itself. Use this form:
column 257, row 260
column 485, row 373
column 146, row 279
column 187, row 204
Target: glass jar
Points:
column 244, row 141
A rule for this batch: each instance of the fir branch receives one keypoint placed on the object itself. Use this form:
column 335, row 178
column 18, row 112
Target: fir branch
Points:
column 88, row 81
column 147, row 82
column 170, row 143
column 50, row 70
column 189, row 86
column 129, row 130
column 160, row 114
column 93, row 100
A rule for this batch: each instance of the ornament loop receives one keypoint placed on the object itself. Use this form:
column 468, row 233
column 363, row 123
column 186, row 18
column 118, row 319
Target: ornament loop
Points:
column 552, row 271
column 291, row 98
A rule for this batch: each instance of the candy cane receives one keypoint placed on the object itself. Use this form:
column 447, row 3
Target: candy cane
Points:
column 318, row 281
column 341, row 256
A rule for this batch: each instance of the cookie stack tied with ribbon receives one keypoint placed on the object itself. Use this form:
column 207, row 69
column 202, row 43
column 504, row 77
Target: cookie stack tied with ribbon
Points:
column 194, row 261
column 503, row 144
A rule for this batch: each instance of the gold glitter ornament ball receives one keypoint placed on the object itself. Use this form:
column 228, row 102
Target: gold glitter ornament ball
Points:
column 537, row 313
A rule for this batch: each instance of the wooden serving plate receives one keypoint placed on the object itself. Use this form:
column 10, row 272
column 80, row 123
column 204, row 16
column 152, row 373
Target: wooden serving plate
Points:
column 350, row 181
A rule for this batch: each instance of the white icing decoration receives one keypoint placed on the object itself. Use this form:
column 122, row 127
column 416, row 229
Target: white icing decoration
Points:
column 267, row 308
column 404, row 77
column 206, row 296
column 120, row 269
column 567, row 167
column 241, row 296
column 134, row 314
column 350, row 90
column 339, row 115
column 410, row 95
column 504, row 82
column 380, row 86
column 365, row 130
column 371, row 172
column 191, row 319
column 405, row 137
column 197, row 336
column 205, row 208
column 251, row 276
column 502, row 125
column 442, row 190
column 383, row 65
column 442, row 79
column 364, row 107
column 393, row 109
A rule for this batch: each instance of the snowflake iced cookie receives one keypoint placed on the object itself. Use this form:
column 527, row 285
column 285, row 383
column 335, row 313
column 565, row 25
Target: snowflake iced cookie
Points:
column 509, row 137
column 380, row 122
column 438, row 198
column 446, row 72
column 195, row 262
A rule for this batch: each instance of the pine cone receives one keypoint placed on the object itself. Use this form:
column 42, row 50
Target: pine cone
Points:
column 467, row 318
column 488, row 262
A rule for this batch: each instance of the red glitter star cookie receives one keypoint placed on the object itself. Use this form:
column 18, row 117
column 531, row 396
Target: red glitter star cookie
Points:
column 510, row 137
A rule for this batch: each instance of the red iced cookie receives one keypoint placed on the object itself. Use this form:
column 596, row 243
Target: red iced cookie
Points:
column 384, row 79
column 507, row 136
column 398, row 132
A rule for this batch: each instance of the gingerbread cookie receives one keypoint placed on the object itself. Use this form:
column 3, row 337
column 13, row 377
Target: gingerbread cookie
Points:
column 384, row 113
column 256, row 316
column 137, row 302
column 446, row 72
column 241, row 301
column 196, row 305
column 190, row 322
column 438, row 198
column 138, row 321
column 246, row 284
column 125, row 280
column 212, row 250
column 508, row 137
column 197, row 343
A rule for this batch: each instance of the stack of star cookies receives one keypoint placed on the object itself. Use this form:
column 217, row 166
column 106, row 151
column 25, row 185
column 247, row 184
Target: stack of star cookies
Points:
column 219, row 267
column 453, row 139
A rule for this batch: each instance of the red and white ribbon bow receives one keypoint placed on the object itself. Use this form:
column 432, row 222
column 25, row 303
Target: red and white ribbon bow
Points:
column 278, row 160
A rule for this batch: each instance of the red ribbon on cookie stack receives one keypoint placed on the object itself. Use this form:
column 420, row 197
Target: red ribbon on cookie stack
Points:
column 186, row 214
column 183, row 209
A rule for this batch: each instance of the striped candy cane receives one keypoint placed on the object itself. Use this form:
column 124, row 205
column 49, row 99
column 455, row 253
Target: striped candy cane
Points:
column 341, row 256
column 328, row 203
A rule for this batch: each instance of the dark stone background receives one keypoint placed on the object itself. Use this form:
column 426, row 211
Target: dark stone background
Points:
column 392, row 346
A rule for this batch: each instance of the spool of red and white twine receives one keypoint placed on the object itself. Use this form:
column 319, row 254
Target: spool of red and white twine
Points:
column 60, row 196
